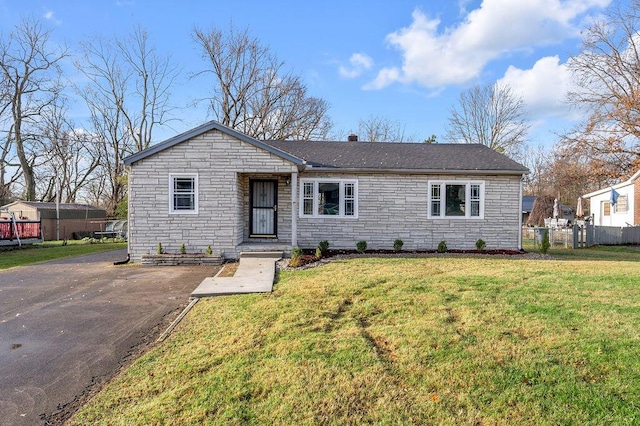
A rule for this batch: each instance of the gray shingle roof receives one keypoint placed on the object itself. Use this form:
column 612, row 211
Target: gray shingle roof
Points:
column 380, row 156
column 399, row 156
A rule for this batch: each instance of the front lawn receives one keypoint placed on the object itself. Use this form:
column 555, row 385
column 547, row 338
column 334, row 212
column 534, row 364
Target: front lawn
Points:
column 439, row 340
column 51, row 250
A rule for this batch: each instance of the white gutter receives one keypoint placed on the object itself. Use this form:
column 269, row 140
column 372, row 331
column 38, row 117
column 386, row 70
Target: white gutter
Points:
column 416, row 171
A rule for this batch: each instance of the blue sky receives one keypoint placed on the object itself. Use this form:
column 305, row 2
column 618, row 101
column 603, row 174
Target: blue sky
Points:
column 405, row 60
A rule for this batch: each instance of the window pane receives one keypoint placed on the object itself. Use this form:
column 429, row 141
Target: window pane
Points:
column 349, row 208
column 435, row 208
column 307, row 207
column 328, row 198
column 455, row 200
column 308, row 190
column 621, row 204
column 475, row 201
column 475, row 192
column 435, row 200
column 349, row 199
column 435, row 192
column 307, row 198
column 184, row 193
column 183, row 184
column 475, row 208
column 183, row 202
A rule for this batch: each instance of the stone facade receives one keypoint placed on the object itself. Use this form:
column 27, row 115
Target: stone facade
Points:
column 390, row 205
column 223, row 165
column 395, row 206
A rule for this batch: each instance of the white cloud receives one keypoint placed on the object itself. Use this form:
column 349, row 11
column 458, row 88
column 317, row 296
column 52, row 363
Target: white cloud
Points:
column 435, row 57
column 543, row 87
column 359, row 63
column 49, row 15
column 385, row 77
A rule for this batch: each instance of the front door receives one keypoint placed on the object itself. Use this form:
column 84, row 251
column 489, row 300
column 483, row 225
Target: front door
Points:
column 263, row 208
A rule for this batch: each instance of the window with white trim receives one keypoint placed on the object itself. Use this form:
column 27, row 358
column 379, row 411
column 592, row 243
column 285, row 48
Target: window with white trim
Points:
column 456, row 200
column 621, row 205
column 183, row 193
column 328, row 197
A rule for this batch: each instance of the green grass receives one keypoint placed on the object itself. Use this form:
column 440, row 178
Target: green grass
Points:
column 400, row 341
column 35, row 253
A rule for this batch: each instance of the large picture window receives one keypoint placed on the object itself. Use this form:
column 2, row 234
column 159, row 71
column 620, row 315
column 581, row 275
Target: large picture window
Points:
column 183, row 193
column 328, row 197
column 464, row 200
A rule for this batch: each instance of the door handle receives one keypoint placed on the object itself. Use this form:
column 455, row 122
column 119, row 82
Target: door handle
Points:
column 275, row 207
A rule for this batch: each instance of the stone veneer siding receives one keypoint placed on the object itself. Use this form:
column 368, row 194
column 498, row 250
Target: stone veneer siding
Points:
column 392, row 206
column 223, row 165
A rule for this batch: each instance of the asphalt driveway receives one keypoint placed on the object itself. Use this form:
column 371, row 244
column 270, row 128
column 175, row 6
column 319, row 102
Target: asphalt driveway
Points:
column 68, row 324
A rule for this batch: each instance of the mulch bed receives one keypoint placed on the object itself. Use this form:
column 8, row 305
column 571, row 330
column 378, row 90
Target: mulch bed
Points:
column 309, row 258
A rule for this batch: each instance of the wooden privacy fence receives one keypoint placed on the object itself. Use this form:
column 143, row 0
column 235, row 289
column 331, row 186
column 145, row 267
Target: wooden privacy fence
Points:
column 605, row 235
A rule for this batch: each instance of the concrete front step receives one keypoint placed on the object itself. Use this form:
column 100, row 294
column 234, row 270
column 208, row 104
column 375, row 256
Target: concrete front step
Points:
column 254, row 275
column 263, row 254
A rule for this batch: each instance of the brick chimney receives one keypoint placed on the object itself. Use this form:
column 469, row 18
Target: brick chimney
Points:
column 352, row 138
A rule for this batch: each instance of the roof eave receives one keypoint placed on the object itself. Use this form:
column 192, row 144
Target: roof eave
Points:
column 207, row 127
column 418, row 171
column 627, row 182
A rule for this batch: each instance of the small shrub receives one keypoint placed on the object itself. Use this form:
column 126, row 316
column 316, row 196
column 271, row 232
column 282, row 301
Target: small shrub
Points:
column 545, row 245
column 318, row 253
column 442, row 246
column 361, row 246
column 183, row 249
column 209, row 251
column 481, row 244
column 296, row 257
column 159, row 249
column 397, row 244
column 294, row 263
column 296, row 253
column 323, row 246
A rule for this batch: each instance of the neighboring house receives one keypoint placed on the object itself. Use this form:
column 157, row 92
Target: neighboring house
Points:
column 76, row 220
column 213, row 186
column 625, row 212
column 527, row 207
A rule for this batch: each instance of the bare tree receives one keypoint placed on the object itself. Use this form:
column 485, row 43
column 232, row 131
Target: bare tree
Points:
column 253, row 94
column 538, row 160
column 128, row 96
column 68, row 157
column 491, row 115
column 382, row 129
column 30, row 71
column 608, row 90
column 148, row 100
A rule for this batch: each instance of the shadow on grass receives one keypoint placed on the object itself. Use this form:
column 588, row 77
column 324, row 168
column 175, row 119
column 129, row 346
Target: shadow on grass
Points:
column 597, row 253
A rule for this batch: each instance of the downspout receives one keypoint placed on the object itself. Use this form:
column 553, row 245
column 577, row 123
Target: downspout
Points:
column 520, row 215
column 129, row 205
column 294, row 209
column 128, row 259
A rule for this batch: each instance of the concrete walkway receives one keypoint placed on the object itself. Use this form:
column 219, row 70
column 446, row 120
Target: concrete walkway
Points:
column 255, row 274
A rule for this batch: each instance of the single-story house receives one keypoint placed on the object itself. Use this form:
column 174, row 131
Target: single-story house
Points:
column 75, row 219
column 625, row 211
column 213, row 186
